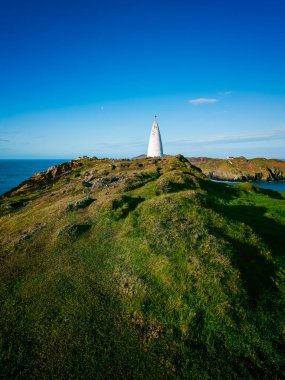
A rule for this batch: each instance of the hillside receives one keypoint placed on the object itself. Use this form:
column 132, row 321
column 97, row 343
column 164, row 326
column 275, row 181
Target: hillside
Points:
column 141, row 269
column 241, row 169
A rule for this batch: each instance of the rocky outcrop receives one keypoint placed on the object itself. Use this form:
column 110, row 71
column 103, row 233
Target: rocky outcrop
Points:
column 43, row 179
column 74, row 230
column 241, row 169
column 28, row 234
column 83, row 203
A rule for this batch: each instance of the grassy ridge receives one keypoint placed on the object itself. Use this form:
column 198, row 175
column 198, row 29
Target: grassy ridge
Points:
column 163, row 275
column 241, row 169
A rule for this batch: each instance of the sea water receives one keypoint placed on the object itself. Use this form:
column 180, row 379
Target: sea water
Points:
column 13, row 172
column 271, row 185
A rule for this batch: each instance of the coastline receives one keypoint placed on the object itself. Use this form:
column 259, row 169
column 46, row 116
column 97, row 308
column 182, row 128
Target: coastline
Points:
column 15, row 171
column 268, row 185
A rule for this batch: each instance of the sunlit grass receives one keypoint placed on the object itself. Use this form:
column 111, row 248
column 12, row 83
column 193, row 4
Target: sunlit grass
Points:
column 176, row 277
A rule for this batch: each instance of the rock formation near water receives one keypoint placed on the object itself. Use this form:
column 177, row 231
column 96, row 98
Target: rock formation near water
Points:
column 241, row 169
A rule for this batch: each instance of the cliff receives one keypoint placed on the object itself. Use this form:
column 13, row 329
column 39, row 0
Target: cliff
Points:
column 241, row 169
column 140, row 269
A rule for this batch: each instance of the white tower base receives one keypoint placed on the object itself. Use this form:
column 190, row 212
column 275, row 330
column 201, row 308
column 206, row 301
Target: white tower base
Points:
column 155, row 144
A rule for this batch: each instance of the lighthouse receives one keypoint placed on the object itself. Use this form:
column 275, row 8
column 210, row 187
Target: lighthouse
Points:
column 155, row 144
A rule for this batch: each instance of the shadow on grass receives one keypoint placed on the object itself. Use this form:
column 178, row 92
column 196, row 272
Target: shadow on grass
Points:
column 218, row 189
column 143, row 179
column 256, row 271
column 270, row 193
column 125, row 205
column 271, row 232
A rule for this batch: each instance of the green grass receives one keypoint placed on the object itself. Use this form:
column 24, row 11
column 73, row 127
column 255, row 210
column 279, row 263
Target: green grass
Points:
column 177, row 277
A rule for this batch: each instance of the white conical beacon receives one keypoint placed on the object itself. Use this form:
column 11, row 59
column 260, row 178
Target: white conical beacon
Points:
column 155, row 144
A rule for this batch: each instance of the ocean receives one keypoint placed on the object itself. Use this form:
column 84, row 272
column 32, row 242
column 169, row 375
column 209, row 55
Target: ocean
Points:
column 13, row 172
column 277, row 186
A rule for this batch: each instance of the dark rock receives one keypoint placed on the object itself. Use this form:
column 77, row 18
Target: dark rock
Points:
column 25, row 237
column 84, row 203
column 17, row 205
column 39, row 226
column 124, row 165
column 181, row 158
column 87, row 184
column 80, row 204
column 28, row 235
column 74, row 230
column 70, row 207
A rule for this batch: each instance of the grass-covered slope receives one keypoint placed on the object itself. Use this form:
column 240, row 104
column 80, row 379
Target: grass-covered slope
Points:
column 241, row 169
column 141, row 269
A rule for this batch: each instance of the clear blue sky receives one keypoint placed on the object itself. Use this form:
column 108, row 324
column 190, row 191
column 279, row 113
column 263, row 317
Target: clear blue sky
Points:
column 86, row 77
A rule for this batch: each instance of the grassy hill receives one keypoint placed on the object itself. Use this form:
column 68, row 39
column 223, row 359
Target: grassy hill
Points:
column 241, row 169
column 141, row 269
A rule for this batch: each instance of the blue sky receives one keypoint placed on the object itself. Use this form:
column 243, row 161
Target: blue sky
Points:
column 86, row 77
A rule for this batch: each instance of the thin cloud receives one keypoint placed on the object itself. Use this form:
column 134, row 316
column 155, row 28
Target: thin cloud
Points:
column 225, row 93
column 200, row 101
column 277, row 134
column 249, row 137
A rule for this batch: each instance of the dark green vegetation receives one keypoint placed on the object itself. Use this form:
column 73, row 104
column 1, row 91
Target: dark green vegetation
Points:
column 149, row 272
column 241, row 169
